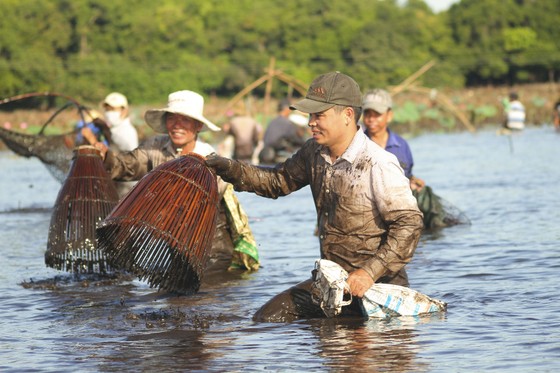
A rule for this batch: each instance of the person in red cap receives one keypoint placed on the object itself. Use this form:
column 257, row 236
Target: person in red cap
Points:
column 368, row 220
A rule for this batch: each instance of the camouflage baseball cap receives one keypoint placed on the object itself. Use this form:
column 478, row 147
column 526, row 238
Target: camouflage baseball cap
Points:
column 328, row 90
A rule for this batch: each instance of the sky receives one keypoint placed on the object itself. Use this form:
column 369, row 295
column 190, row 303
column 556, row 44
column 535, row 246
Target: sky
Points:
column 436, row 5
column 440, row 5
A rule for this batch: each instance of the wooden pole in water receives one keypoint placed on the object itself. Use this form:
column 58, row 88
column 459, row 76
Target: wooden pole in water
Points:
column 268, row 89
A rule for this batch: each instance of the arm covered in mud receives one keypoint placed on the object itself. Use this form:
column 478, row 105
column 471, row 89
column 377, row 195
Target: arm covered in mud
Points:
column 127, row 166
column 271, row 182
column 403, row 220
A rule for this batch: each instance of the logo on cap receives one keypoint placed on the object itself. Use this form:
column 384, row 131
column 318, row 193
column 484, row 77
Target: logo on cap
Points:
column 320, row 91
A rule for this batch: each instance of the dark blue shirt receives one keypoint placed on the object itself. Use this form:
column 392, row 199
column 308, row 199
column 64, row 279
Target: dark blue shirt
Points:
column 399, row 147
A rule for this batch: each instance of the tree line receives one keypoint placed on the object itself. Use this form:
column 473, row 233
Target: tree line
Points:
column 147, row 49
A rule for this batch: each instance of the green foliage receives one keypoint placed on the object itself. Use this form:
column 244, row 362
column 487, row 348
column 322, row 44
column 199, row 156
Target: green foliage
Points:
column 147, row 49
column 409, row 112
column 518, row 39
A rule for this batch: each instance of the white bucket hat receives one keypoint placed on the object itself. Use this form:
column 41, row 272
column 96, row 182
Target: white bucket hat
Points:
column 187, row 103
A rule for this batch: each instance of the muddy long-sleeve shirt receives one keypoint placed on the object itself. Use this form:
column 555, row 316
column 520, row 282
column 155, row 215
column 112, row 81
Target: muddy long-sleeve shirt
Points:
column 133, row 165
column 367, row 216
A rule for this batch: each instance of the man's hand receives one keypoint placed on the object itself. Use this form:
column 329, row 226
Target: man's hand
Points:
column 226, row 168
column 102, row 149
column 359, row 282
column 416, row 183
column 88, row 135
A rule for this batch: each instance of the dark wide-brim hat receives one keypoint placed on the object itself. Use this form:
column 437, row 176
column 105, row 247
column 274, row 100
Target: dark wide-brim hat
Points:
column 328, row 90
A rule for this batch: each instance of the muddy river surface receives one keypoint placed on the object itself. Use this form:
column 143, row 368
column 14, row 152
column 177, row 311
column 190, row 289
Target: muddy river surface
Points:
column 500, row 276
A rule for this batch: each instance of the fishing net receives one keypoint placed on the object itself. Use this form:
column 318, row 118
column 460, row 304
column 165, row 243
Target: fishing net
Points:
column 86, row 197
column 54, row 151
column 162, row 229
column 438, row 212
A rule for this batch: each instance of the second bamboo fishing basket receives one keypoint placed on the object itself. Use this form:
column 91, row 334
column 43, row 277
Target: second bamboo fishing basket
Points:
column 86, row 197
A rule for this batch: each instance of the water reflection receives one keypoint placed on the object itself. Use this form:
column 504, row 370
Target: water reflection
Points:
column 373, row 345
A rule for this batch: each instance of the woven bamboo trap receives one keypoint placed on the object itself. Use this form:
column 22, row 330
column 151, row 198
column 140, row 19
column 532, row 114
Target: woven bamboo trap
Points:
column 162, row 229
column 86, row 197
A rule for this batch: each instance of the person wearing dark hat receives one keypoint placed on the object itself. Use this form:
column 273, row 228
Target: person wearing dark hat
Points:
column 368, row 221
column 180, row 123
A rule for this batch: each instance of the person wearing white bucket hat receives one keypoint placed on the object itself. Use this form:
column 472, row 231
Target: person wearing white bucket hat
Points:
column 186, row 103
column 178, row 125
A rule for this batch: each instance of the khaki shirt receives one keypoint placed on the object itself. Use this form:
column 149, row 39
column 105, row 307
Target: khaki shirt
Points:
column 367, row 216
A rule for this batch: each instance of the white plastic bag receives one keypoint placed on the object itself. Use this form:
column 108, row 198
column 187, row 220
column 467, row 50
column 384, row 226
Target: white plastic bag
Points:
column 327, row 289
column 379, row 301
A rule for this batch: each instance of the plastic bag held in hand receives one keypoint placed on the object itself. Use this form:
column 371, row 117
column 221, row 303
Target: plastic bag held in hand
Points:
column 227, row 169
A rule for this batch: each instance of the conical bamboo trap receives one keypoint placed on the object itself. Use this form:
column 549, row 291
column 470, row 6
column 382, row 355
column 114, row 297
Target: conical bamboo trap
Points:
column 86, row 197
column 162, row 229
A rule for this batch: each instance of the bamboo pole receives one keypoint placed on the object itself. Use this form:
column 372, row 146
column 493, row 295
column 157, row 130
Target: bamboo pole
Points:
column 444, row 101
column 268, row 77
column 246, row 90
column 268, row 89
column 408, row 81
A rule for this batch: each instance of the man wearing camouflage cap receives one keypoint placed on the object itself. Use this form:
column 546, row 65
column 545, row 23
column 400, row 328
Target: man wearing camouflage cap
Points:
column 368, row 221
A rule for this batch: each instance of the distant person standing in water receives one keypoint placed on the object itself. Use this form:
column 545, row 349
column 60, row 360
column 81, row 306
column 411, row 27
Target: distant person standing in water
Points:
column 246, row 132
column 514, row 111
column 281, row 136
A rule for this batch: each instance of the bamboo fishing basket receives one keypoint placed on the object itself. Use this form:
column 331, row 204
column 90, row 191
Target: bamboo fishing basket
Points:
column 162, row 230
column 86, row 197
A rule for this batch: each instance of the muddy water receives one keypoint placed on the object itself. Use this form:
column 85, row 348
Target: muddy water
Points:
column 499, row 276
